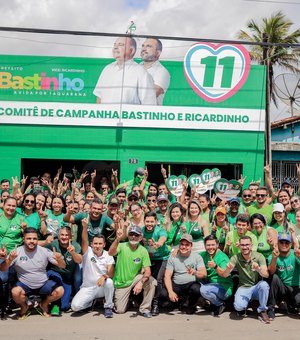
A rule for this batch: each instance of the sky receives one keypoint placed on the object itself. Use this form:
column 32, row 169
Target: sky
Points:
column 199, row 19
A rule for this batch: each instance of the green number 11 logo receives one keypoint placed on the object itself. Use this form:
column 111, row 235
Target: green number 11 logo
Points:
column 216, row 73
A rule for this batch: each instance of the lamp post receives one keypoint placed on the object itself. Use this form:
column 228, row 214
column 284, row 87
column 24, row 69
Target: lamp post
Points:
column 266, row 62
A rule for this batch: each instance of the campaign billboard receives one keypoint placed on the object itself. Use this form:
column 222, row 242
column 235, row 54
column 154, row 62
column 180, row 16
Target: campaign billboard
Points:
column 213, row 87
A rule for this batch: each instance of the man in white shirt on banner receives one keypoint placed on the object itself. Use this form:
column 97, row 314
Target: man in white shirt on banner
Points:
column 125, row 81
column 150, row 53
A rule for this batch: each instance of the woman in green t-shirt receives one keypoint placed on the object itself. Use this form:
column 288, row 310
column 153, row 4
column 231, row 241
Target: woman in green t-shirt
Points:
column 174, row 224
column 196, row 225
column 220, row 225
column 266, row 236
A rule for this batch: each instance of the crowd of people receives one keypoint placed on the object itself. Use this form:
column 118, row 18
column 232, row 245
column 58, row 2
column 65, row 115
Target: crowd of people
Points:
column 68, row 241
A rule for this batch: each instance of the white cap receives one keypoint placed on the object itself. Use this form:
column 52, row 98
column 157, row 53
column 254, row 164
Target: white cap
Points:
column 278, row 207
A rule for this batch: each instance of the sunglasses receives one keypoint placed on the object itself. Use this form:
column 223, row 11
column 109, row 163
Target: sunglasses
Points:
column 29, row 201
column 132, row 199
column 294, row 201
column 245, row 196
column 151, row 200
column 133, row 234
column 284, row 242
column 260, row 195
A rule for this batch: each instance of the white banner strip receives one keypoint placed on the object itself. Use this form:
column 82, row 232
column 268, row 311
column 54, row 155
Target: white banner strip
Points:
column 177, row 117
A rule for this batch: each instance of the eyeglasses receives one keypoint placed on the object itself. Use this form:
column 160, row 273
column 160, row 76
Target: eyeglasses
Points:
column 132, row 199
column 29, row 201
column 245, row 196
column 261, row 195
column 294, row 201
column 245, row 245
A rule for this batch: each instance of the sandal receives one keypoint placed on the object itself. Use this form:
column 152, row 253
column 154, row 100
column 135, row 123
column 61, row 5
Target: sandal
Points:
column 25, row 315
column 40, row 310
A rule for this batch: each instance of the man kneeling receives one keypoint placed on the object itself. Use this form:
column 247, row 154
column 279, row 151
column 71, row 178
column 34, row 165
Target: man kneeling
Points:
column 98, row 270
column 30, row 261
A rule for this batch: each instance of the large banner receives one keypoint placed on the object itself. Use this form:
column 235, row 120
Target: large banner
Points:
column 213, row 87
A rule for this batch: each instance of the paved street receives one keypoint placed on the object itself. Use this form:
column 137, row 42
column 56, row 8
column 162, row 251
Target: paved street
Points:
column 172, row 326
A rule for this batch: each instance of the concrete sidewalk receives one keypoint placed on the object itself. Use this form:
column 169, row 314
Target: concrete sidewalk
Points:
column 166, row 326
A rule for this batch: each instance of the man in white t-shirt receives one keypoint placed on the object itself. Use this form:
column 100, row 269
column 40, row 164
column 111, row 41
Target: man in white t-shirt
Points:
column 97, row 270
column 125, row 81
column 150, row 53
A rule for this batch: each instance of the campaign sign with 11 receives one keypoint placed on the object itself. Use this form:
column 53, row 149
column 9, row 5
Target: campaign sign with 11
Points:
column 174, row 184
column 226, row 190
column 205, row 181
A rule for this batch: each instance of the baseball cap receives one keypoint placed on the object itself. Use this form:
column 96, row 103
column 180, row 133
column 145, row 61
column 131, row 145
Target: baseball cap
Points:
column 135, row 229
column 221, row 210
column 162, row 198
column 284, row 237
column 186, row 237
column 113, row 200
column 278, row 207
column 133, row 194
column 234, row 200
column 286, row 181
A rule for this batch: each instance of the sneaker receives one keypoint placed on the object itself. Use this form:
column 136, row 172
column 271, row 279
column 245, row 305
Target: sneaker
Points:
column 155, row 310
column 292, row 310
column 271, row 314
column 55, row 311
column 263, row 317
column 147, row 315
column 218, row 310
column 108, row 313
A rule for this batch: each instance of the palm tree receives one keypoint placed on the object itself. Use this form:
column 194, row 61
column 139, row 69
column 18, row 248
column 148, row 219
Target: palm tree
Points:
column 277, row 28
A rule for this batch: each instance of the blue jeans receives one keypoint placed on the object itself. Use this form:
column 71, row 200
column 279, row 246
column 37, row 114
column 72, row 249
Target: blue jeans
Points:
column 65, row 303
column 214, row 292
column 259, row 292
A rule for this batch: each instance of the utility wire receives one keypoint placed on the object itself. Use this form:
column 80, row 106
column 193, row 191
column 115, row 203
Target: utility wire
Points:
column 101, row 34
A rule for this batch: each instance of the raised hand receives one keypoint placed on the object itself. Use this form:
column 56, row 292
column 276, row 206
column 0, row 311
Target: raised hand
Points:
column 71, row 248
column 3, row 252
column 163, row 171
column 120, row 233
column 13, row 254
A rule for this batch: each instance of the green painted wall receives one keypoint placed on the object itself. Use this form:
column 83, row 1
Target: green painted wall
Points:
column 152, row 145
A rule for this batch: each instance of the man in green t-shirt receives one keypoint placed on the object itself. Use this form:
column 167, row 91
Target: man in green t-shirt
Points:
column 284, row 266
column 232, row 238
column 261, row 205
column 251, row 267
column 98, row 222
column 132, row 273
column 217, row 289
column 154, row 240
column 65, row 276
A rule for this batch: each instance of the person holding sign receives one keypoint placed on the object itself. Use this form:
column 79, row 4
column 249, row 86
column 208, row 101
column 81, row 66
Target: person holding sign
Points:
column 30, row 262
